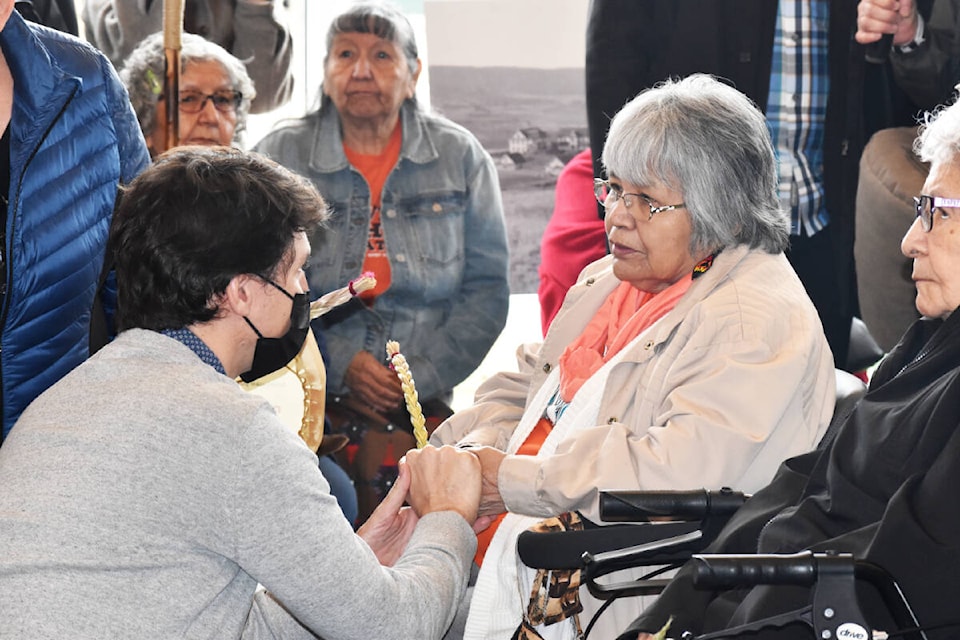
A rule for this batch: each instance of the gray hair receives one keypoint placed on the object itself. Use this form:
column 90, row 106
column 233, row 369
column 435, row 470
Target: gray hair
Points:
column 708, row 141
column 143, row 71
column 938, row 140
column 382, row 20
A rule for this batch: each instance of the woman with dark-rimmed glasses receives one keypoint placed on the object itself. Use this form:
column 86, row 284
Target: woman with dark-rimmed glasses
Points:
column 215, row 92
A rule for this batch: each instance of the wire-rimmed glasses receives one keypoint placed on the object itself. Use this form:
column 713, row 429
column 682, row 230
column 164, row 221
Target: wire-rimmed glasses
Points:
column 607, row 194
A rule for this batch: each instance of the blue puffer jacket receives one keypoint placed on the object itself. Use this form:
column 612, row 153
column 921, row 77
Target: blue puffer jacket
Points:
column 74, row 137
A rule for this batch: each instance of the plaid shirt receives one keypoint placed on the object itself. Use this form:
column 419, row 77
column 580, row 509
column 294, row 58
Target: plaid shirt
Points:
column 796, row 110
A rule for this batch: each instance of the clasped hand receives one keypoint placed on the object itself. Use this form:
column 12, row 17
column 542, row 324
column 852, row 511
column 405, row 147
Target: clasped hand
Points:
column 430, row 479
column 491, row 502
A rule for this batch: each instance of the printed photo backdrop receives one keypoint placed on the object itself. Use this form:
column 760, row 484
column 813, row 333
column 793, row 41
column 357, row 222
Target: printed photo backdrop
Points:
column 510, row 71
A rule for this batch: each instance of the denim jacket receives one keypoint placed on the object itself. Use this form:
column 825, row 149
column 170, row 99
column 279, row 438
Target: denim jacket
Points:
column 443, row 222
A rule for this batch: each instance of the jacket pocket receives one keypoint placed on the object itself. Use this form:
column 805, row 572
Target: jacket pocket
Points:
column 435, row 223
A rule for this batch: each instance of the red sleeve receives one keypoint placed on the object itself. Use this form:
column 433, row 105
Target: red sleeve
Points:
column 574, row 237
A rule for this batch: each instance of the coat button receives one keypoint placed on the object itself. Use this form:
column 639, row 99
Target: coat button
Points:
column 649, row 345
column 611, row 419
column 391, row 213
column 437, row 207
column 547, row 368
column 401, row 257
column 590, row 281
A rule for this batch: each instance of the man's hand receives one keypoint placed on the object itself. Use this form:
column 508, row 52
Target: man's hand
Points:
column 878, row 17
column 373, row 383
column 491, row 502
column 444, row 479
column 389, row 527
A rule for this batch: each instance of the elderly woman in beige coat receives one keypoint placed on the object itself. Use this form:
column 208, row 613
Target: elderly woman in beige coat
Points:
column 689, row 357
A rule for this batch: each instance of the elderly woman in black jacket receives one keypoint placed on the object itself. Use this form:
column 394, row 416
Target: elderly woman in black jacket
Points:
column 885, row 489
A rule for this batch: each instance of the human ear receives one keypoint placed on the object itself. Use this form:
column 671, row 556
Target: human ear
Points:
column 238, row 296
column 412, row 87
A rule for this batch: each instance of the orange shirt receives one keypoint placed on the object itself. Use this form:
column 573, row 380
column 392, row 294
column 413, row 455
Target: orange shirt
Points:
column 375, row 168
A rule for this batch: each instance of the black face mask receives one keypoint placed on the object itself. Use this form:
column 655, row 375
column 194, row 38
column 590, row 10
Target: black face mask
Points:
column 273, row 354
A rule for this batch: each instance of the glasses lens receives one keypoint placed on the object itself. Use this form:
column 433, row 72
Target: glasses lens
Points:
column 191, row 101
column 226, row 100
column 925, row 211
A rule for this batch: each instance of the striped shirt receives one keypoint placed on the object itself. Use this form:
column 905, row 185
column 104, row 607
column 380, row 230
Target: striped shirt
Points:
column 796, row 110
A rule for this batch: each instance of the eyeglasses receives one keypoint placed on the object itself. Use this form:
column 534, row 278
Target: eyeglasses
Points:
column 223, row 101
column 926, row 205
column 607, row 194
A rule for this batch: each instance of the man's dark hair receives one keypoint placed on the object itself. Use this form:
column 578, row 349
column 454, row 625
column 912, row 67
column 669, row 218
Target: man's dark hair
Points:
column 195, row 219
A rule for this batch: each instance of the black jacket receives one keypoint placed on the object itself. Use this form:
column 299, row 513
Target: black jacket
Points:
column 884, row 490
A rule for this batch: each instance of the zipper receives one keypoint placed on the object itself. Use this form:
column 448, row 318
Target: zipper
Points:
column 778, row 516
column 920, row 356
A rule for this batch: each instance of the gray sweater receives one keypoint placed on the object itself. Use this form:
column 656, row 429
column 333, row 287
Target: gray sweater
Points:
column 146, row 496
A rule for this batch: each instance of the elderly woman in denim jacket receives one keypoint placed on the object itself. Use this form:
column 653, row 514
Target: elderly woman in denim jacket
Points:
column 690, row 357
column 415, row 200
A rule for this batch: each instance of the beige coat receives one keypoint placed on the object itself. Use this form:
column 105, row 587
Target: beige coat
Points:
column 736, row 378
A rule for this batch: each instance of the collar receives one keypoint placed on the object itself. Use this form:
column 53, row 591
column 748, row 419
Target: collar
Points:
column 597, row 282
column 41, row 85
column 190, row 340
column 38, row 77
column 327, row 154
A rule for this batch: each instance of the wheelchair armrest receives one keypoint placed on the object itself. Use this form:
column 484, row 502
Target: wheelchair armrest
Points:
column 643, row 506
column 731, row 571
column 830, row 574
column 566, row 549
column 695, row 518
column 687, row 511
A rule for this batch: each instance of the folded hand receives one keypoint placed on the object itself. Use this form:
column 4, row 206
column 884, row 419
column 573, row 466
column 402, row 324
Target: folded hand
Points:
column 373, row 383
